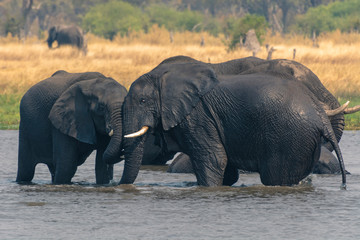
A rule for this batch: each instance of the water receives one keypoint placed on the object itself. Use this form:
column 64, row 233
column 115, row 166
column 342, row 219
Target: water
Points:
column 170, row 206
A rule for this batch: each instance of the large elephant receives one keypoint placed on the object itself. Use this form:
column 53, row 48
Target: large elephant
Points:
column 327, row 164
column 67, row 35
column 267, row 123
column 278, row 66
column 63, row 119
column 298, row 71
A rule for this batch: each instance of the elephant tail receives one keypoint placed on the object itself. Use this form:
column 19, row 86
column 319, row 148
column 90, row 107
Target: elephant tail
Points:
column 329, row 134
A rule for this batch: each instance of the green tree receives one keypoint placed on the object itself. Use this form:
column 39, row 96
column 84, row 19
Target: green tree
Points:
column 113, row 17
column 172, row 19
column 162, row 16
column 239, row 27
column 338, row 15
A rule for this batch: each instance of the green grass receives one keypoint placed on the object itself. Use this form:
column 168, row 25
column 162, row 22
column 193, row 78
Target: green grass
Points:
column 352, row 121
column 10, row 116
column 9, row 111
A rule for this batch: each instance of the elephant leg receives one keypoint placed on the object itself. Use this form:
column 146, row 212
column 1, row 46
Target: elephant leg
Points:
column 26, row 163
column 231, row 175
column 103, row 171
column 65, row 156
column 209, row 166
column 205, row 149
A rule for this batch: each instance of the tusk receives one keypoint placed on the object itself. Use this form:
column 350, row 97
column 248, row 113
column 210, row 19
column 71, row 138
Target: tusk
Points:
column 338, row 110
column 352, row 110
column 111, row 133
column 142, row 131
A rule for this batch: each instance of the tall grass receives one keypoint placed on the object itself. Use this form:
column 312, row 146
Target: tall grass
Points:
column 23, row 63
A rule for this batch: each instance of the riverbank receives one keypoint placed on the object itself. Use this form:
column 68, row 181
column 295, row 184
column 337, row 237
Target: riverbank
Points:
column 24, row 63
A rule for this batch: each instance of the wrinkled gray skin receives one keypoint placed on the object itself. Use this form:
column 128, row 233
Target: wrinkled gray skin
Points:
column 67, row 35
column 327, row 164
column 63, row 119
column 278, row 122
column 157, row 151
column 279, row 67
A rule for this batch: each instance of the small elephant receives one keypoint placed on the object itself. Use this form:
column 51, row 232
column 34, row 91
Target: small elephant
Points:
column 327, row 164
column 268, row 123
column 181, row 164
column 67, row 35
column 63, row 119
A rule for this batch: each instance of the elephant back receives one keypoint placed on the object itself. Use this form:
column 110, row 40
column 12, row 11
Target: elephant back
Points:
column 40, row 98
column 295, row 71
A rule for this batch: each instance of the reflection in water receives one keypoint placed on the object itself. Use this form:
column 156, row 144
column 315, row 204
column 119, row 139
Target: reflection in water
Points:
column 171, row 206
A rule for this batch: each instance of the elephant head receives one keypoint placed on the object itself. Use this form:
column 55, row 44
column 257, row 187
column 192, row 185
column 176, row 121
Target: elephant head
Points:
column 159, row 101
column 89, row 108
column 52, row 36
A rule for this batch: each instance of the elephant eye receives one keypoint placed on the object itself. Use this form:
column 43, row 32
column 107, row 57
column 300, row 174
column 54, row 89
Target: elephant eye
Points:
column 142, row 101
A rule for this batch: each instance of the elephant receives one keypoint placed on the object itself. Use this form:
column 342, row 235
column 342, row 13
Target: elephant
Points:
column 299, row 72
column 278, row 66
column 67, row 35
column 327, row 164
column 157, row 151
column 63, row 119
column 181, row 164
column 268, row 123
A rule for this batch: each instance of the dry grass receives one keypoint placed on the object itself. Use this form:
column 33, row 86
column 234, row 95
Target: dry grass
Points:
column 22, row 64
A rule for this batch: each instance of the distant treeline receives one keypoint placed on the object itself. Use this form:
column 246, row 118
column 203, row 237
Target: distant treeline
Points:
column 233, row 18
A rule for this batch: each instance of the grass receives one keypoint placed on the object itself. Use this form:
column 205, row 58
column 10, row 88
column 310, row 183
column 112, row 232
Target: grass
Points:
column 9, row 111
column 352, row 121
column 23, row 63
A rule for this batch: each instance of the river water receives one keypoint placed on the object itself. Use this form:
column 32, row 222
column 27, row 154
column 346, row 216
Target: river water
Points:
column 170, row 206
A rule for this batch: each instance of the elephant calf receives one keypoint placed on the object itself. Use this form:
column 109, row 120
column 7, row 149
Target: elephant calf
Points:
column 63, row 119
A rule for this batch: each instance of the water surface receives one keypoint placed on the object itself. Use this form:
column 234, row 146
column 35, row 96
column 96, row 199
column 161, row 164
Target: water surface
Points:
column 170, row 206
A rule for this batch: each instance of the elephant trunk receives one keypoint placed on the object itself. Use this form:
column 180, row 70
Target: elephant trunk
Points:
column 113, row 151
column 133, row 146
column 134, row 149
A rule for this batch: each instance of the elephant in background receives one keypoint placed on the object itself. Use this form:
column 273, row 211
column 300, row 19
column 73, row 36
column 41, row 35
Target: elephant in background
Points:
column 181, row 164
column 278, row 122
column 63, row 119
column 327, row 164
column 67, row 35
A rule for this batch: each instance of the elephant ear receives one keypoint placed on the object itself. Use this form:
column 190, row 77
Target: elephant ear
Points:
column 182, row 86
column 71, row 114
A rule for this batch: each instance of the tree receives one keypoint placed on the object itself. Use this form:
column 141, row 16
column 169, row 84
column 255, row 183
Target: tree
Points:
column 172, row 19
column 113, row 17
column 239, row 27
column 338, row 15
